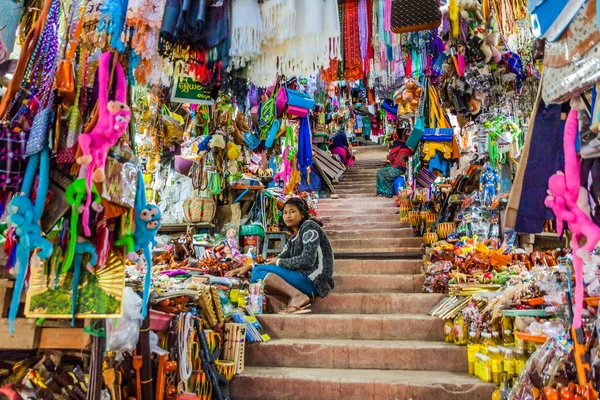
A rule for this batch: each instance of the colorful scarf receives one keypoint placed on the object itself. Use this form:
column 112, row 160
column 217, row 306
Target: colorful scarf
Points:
column 352, row 57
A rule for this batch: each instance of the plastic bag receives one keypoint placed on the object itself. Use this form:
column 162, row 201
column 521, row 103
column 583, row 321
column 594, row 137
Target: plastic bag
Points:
column 122, row 334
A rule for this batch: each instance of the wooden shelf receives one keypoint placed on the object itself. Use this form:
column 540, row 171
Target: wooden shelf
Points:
column 184, row 227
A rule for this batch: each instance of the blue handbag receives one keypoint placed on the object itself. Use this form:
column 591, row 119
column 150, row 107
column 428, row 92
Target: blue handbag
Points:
column 550, row 18
column 299, row 99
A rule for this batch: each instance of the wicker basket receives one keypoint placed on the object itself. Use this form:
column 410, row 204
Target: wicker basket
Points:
column 199, row 209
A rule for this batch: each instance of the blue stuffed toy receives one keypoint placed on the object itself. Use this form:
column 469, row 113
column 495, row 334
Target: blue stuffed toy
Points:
column 23, row 217
column 147, row 222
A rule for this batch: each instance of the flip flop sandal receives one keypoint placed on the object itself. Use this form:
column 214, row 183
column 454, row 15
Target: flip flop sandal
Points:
column 291, row 310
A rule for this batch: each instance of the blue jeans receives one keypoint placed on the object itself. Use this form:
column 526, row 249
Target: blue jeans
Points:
column 294, row 278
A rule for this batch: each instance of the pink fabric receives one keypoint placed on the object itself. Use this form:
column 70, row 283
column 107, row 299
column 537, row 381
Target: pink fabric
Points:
column 344, row 155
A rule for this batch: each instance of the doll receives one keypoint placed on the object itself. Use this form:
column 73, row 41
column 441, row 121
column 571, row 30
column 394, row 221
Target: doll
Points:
column 489, row 185
column 113, row 119
column 75, row 194
column 147, row 222
column 232, row 243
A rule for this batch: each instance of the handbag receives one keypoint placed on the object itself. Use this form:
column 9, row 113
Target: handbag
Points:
column 415, row 15
column 567, row 75
column 199, row 209
column 299, row 99
column 281, row 100
column 39, row 129
column 550, row 18
column 297, row 111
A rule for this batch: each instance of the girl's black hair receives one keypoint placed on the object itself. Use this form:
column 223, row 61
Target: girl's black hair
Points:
column 303, row 208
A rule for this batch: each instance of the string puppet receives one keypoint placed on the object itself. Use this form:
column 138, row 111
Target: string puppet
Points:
column 23, row 219
column 113, row 118
column 570, row 203
column 75, row 194
column 146, row 224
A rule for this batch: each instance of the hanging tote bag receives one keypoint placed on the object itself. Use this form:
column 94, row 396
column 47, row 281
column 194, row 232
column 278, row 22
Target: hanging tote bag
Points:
column 572, row 63
column 415, row 15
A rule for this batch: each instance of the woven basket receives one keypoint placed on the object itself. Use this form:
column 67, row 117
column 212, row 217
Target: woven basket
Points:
column 199, row 209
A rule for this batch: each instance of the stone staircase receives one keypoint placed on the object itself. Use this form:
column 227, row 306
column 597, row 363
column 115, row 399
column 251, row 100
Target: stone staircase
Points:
column 371, row 338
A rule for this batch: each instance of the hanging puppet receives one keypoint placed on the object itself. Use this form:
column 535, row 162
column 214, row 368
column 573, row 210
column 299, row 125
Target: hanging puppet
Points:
column 147, row 221
column 113, row 119
column 570, row 203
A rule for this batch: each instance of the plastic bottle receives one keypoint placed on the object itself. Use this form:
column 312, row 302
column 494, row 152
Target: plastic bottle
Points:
column 460, row 330
column 449, row 331
column 472, row 350
column 496, row 337
column 496, row 363
column 234, row 293
column 486, row 368
column 496, row 394
column 509, row 363
column 520, row 361
column 478, row 365
column 507, row 331
column 504, row 386
column 486, row 341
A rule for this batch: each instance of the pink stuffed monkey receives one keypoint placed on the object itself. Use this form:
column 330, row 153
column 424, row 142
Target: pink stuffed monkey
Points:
column 113, row 118
column 286, row 173
column 570, row 203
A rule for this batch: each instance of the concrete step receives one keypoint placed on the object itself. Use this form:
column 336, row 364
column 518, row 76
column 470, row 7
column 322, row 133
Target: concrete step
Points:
column 351, row 211
column 353, row 326
column 379, row 283
column 382, row 267
column 376, row 303
column 368, row 190
column 387, row 253
column 368, row 220
column 334, row 203
column 356, row 195
column 368, row 242
column 358, row 354
column 355, row 185
column 332, row 225
column 378, row 233
column 369, row 177
column 259, row 383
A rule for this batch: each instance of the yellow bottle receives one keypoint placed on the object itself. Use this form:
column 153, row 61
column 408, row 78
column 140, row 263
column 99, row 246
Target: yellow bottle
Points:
column 478, row 365
column 507, row 331
column 460, row 330
column 508, row 365
column 486, row 341
column 449, row 331
column 496, row 394
column 496, row 362
column 472, row 350
column 486, row 369
column 520, row 361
